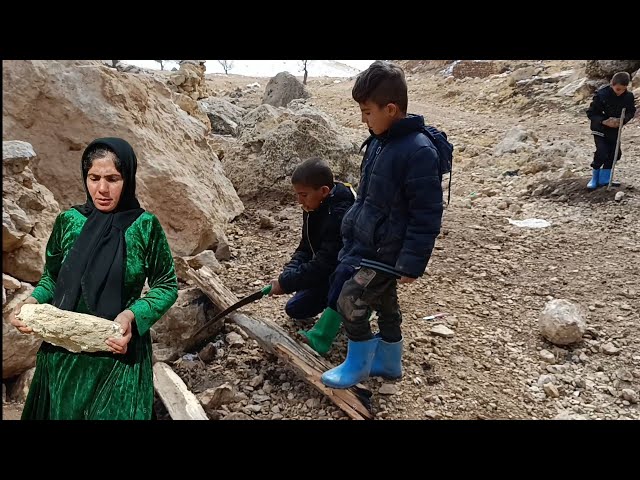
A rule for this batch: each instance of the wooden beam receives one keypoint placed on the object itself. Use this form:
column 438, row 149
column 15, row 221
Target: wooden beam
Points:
column 181, row 403
column 306, row 363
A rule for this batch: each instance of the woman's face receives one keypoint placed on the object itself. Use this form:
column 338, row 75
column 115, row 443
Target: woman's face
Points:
column 105, row 184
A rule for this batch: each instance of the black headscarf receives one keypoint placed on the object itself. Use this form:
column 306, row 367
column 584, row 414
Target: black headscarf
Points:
column 95, row 264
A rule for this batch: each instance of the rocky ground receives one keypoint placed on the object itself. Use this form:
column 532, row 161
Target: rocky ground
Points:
column 522, row 151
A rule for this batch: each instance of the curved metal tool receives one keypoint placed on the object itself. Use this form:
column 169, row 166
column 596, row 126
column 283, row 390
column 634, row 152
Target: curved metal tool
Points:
column 241, row 303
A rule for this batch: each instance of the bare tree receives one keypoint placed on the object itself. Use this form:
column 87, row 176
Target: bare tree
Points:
column 114, row 63
column 226, row 65
column 161, row 62
column 304, row 69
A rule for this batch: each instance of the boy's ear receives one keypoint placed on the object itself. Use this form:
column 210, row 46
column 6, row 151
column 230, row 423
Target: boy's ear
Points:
column 392, row 109
column 325, row 190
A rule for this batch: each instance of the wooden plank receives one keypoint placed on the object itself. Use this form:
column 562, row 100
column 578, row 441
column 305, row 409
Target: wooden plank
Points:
column 181, row 403
column 306, row 363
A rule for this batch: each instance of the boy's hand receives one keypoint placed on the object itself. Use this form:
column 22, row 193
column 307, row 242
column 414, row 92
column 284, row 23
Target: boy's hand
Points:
column 406, row 280
column 276, row 289
column 611, row 122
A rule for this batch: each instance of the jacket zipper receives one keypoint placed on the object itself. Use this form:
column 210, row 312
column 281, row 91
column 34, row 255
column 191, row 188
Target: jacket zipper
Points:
column 309, row 237
column 375, row 159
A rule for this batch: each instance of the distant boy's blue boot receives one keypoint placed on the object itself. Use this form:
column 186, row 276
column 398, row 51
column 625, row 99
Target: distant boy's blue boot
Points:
column 356, row 366
column 605, row 176
column 387, row 362
column 595, row 179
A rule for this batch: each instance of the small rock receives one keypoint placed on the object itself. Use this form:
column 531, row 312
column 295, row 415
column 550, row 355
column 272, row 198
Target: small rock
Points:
column 388, row 389
column 260, row 398
column 267, row 222
column 546, row 378
column 610, row 349
column 240, row 396
column 161, row 353
column 619, row 196
column 208, row 353
column 213, row 398
column 233, row 339
column 629, row 395
column 442, row 331
column 431, row 414
column 566, row 415
column 257, row 381
column 237, row 416
column 551, row 390
column 313, row 403
column 547, row 356
column 624, row 375
column 277, row 416
column 10, row 283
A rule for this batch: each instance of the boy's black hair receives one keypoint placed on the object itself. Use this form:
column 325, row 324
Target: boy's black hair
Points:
column 621, row 78
column 382, row 83
column 313, row 172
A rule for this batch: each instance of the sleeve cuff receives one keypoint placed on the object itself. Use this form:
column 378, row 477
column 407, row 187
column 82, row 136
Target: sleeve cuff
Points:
column 42, row 295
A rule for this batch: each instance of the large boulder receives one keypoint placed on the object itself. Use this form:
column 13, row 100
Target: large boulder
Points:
column 223, row 115
column 61, row 106
column 190, row 80
column 191, row 310
column 18, row 350
column 28, row 213
column 283, row 88
column 272, row 142
column 605, row 69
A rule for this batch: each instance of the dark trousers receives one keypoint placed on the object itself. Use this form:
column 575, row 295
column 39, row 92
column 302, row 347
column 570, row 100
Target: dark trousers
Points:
column 605, row 150
column 367, row 291
column 309, row 303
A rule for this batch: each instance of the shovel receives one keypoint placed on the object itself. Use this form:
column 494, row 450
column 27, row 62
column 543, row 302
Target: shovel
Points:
column 615, row 155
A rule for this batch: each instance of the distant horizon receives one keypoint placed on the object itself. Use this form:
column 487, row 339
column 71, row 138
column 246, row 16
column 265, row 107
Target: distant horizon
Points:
column 269, row 68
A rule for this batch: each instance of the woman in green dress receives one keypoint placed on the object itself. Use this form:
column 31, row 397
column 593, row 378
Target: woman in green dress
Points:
column 97, row 260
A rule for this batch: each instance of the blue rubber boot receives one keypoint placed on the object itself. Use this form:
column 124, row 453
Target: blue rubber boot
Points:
column 605, row 176
column 387, row 362
column 356, row 366
column 595, row 179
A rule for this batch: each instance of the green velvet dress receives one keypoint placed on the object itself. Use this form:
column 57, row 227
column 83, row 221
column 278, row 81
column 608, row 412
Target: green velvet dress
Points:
column 102, row 385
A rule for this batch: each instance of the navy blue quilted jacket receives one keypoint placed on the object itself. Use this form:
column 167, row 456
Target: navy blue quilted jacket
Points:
column 396, row 218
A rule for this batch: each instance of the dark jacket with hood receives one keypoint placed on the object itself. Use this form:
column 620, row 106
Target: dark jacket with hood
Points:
column 607, row 104
column 393, row 225
column 316, row 257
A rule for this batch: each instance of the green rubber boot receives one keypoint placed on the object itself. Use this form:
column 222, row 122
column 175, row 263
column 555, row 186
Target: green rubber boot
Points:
column 321, row 336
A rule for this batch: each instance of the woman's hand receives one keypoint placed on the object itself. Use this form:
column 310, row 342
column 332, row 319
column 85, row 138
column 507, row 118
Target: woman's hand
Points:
column 13, row 316
column 119, row 345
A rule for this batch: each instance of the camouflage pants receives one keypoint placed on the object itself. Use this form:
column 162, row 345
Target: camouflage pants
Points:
column 368, row 291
